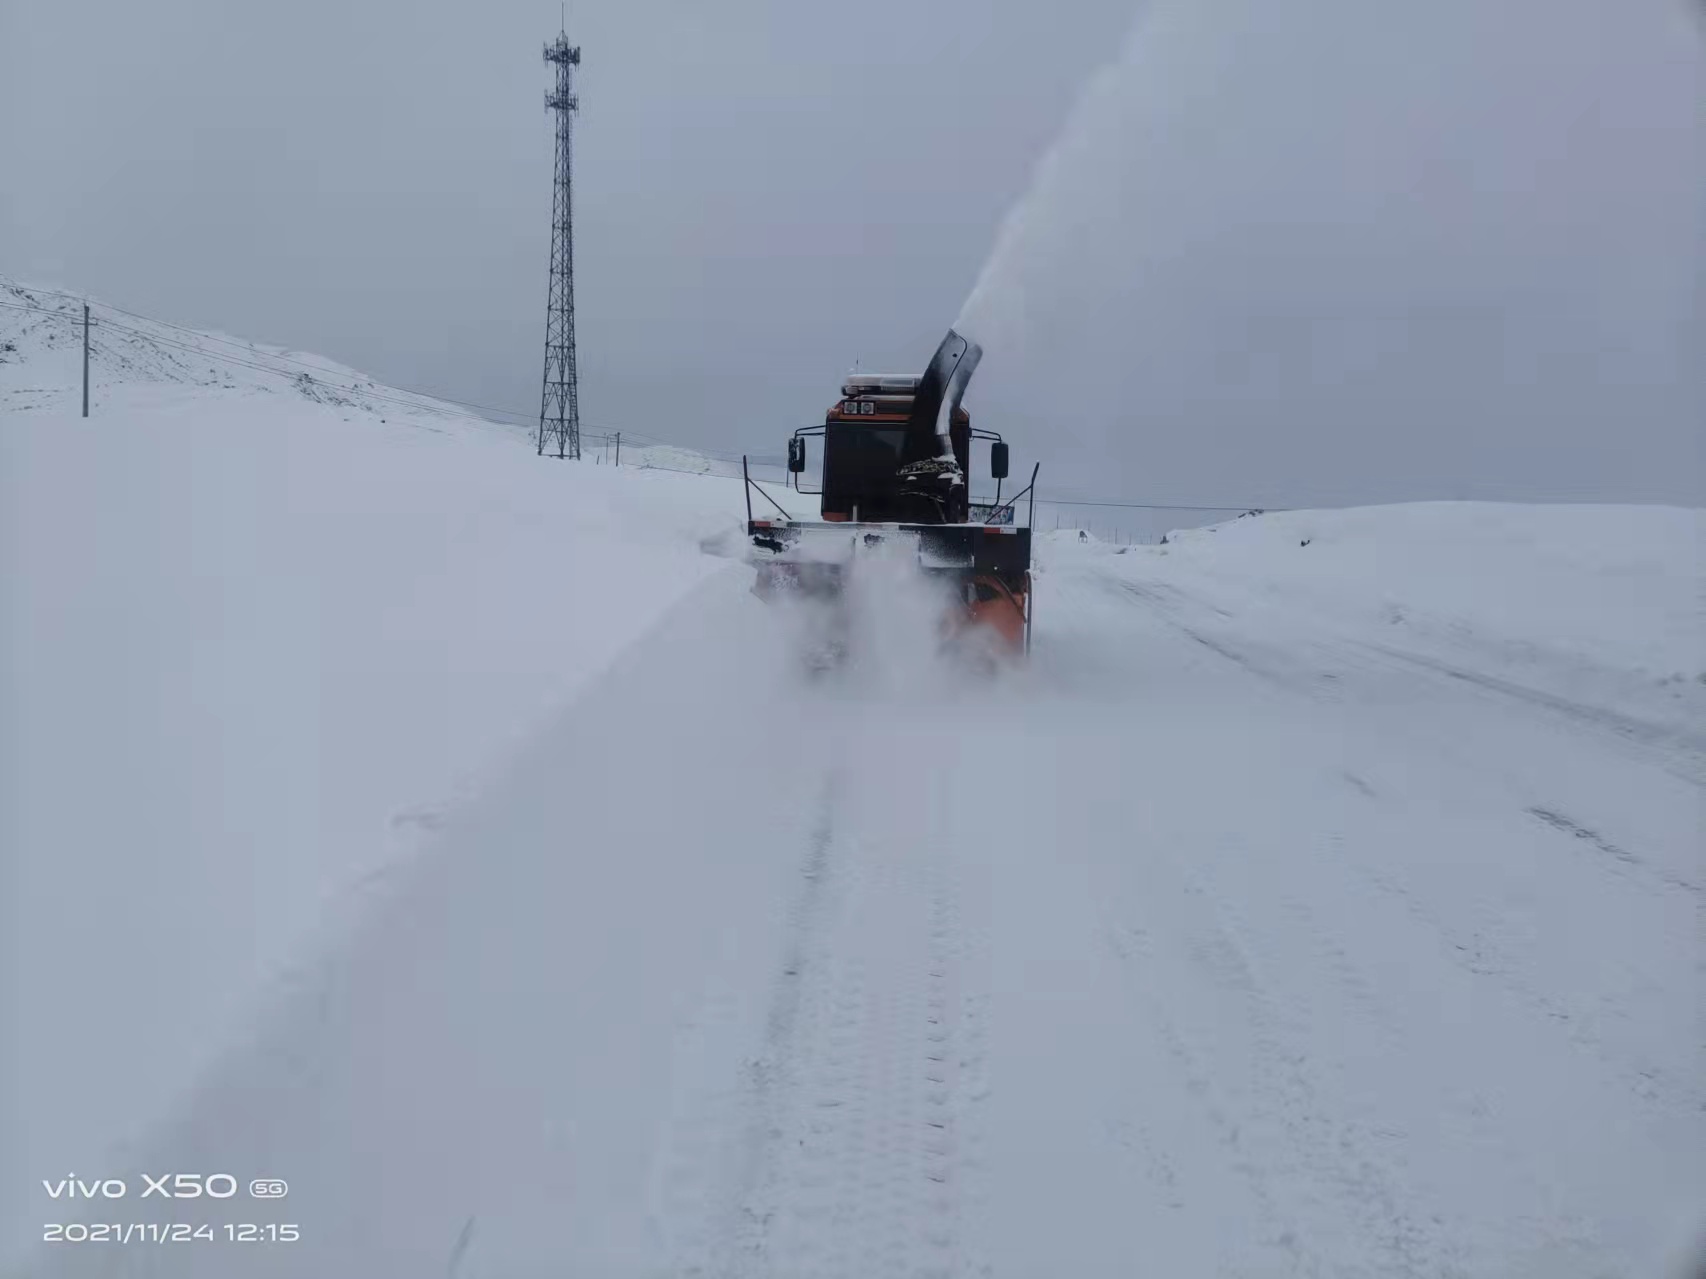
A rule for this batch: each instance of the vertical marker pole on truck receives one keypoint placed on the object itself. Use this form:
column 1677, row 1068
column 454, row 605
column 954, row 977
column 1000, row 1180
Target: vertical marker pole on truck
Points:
column 85, row 359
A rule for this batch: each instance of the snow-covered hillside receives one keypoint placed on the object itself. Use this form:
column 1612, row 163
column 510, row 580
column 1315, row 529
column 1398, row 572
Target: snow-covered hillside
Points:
column 135, row 359
column 258, row 634
column 441, row 830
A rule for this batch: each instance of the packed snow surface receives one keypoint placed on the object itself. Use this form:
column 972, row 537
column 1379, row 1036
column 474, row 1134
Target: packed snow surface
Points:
column 444, row 831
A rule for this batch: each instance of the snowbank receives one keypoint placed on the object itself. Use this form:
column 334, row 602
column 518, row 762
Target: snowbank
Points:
column 257, row 642
column 1615, row 586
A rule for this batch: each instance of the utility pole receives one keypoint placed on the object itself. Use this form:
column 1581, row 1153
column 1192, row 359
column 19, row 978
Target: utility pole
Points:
column 85, row 359
column 559, row 409
column 618, row 448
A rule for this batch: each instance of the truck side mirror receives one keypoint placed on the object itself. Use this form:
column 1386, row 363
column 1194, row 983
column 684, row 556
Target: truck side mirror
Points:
column 796, row 455
column 998, row 460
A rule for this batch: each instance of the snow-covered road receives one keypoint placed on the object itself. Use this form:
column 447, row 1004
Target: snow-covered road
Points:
column 1235, row 935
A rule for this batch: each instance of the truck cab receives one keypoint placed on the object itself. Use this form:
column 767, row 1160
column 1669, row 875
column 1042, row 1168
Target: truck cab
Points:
column 866, row 437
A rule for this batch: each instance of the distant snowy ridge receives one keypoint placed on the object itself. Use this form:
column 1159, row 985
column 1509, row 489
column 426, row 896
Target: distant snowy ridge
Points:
column 41, row 345
column 41, row 350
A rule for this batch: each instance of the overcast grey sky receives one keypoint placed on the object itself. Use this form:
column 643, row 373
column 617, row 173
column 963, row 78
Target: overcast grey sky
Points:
column 1324, row 251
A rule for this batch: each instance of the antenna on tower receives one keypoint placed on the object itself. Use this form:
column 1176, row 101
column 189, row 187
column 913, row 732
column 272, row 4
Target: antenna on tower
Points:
column 559, row 409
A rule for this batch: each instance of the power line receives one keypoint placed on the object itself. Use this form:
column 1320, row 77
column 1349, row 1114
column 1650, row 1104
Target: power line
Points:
column 251, row 347
column 434, row 403
column 431, row 403
column 322, row 376
column 725, row 455
column 314, row 368
column 318, row 369
column 1151, row 506
column 322, row 380
column 43, row 310
column 322, row 372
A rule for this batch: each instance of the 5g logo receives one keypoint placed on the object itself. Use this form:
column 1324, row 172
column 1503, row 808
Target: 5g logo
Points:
column 190, row 1185
column 170, row 1185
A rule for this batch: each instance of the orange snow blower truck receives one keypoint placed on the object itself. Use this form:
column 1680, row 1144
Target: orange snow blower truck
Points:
column 896, row 456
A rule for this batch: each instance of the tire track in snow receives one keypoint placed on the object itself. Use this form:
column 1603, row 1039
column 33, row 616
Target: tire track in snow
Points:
column 776, row 1069
column 1165, row 603
column 1193, row 1065
column 1679, row 751
column 717, row 1146
column 1481, row 954
column 848, row 1148
column 1274, row 667
column 1323, row 1182
column 1621, row 856
column 1337, row 1152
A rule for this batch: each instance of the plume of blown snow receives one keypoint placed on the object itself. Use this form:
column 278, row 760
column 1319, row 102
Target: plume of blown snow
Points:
column 895, row 619
column 1346, row 254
